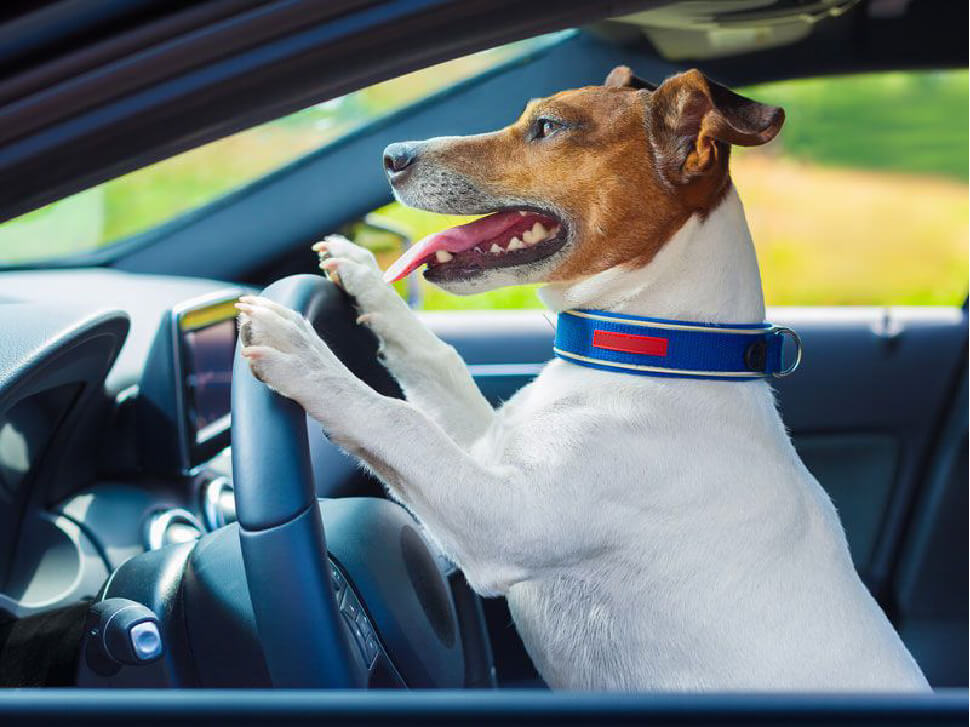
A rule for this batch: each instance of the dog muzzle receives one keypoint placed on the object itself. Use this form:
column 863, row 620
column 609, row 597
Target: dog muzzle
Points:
column 678, row 349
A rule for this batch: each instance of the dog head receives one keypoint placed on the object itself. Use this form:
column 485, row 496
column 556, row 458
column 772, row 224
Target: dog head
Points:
column 583, row 181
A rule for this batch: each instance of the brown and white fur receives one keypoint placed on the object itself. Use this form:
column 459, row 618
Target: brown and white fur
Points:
column 648, row 533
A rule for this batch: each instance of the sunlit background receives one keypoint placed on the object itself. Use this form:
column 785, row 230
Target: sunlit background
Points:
column 862, row 199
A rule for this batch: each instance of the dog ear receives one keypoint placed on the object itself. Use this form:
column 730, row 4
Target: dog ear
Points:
column 622, row 77
column 698, row 118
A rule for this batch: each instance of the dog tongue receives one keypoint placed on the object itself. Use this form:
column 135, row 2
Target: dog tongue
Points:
column 457, row 239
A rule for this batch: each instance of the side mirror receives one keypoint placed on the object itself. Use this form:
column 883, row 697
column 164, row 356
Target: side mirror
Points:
column 387, row 242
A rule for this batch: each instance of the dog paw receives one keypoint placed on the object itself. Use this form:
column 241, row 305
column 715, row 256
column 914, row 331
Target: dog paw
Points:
column 283, row 350
column 340, row 246
column 355, row 269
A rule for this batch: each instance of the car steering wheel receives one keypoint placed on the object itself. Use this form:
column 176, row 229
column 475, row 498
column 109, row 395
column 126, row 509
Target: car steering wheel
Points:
column 306, row 633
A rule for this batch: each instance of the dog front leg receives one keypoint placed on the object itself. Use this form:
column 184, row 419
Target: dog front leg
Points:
column 487, row 516
column 431, row 374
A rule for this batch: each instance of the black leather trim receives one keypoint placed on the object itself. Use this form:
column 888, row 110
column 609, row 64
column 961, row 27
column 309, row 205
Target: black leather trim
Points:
column 426, row 707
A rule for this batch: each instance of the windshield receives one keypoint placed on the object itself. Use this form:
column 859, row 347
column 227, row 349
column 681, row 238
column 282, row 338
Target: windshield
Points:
column 861, row 200
column 110, row 212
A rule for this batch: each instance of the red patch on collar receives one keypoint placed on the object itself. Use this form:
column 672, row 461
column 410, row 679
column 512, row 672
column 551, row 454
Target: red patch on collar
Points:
column 630, row 343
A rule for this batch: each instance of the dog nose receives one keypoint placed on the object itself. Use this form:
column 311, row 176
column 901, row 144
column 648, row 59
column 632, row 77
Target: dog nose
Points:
column 398, row 157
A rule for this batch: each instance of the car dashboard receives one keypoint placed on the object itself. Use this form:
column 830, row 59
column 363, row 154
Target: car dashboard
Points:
column 114, row 424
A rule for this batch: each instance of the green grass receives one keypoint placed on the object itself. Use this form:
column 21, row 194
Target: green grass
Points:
column 901, row 122
column 906, row 127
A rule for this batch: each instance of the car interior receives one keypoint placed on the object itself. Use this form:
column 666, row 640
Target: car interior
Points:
column 146, row 478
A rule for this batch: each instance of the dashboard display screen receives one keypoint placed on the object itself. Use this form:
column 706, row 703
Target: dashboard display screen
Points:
column 208, row 346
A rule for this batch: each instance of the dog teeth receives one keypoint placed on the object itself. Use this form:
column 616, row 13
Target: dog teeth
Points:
column 443, row 256
column 536, row 234
column 522, row 213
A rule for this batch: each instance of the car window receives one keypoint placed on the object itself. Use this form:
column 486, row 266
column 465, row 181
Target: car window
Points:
column 861, row 200
column 135, row 202
column 864, row 201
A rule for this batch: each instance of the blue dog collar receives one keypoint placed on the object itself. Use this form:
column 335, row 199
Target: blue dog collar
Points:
column 680, row 349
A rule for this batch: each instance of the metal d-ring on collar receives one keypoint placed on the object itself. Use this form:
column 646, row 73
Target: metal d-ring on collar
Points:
column 785, row 330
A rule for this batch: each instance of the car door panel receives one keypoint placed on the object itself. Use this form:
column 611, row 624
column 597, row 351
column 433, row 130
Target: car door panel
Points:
column 858, row 470
column 930, row 587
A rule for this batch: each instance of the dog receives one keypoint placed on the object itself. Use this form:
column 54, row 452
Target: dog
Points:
column 649, row 532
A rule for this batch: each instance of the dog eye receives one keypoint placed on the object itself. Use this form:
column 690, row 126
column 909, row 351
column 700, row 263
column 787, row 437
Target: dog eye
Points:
column 546, row 127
